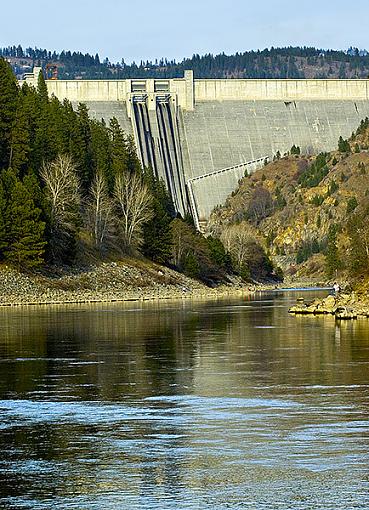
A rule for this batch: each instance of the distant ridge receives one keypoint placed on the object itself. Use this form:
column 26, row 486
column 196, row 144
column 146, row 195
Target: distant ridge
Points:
column 289, row 62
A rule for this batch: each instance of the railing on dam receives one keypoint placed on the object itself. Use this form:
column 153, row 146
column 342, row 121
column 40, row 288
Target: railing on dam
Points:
column 235, row 167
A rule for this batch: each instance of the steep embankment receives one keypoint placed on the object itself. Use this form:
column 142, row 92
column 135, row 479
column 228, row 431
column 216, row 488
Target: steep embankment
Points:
column 302, row 208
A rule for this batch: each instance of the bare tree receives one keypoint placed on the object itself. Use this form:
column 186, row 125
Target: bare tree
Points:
column 62, row 188
column 101, row 217
column 261, row 204
column 134, row 204
column 237, row 240
column 62, row 192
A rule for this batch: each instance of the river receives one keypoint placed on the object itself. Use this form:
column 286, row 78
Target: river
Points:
column 183, row 405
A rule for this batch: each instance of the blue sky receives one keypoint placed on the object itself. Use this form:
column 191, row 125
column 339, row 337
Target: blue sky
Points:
column 148, row 29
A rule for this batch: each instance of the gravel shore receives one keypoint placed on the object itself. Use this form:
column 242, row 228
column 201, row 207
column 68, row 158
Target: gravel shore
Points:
column 106, row 282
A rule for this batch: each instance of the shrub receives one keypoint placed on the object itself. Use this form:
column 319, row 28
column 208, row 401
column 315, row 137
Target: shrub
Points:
column 351, row 205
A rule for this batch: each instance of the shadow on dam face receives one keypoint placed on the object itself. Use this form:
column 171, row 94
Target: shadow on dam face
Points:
column 204, row 126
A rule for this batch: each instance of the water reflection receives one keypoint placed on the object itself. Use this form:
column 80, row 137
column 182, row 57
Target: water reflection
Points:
column 182, row 405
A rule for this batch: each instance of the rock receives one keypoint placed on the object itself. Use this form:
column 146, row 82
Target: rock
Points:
column 329, row 302
column 345, row 313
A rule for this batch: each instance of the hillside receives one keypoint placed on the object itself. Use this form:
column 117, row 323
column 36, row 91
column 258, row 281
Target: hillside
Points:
column 269, row 63
column 309, row 213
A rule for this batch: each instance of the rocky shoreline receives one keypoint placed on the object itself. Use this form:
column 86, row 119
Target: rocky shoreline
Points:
column 108, row 282
column 342, row 306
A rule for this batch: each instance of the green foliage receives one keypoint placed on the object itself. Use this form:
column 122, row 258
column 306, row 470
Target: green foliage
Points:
column 157, row 232
column 34, row 131
column 4, row 226
column 317, row 200
column 313, row 175
column 295, row 150
column 26, row 245
column 270, row 238
column 364, row 125
column 244, row 272
column 194, row 255
column 352, row 203
column 332, row 260
column 307, row 249
column 343, row 145
column 332, row 188
column 218, row 253
column 8, row 106
column 277, row 63
column 191, row 266
column 358, row 234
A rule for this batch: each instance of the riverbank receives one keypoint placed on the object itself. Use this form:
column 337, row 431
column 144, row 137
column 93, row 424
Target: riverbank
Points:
column 131, row 280
column 343, row 306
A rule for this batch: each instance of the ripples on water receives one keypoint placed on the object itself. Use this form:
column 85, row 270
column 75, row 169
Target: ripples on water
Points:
column 183, row 406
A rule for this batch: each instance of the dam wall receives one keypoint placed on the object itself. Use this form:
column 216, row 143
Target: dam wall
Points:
column 189, row 91
column 220, row 134
column 210, row 190
column 281, row 90
column 187, row 128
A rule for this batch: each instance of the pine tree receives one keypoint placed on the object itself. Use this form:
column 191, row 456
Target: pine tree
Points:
column 3, row 222
column 132, row 162
column 80, row 146
column 157, row 232
column 101, row 150
column 343, row 145
column 118, row 147
column 43, row 140
column 42, row 88
column 332, row 260
column 20, row 143
column 7, row 182
column 8, row 106
column 27, row 244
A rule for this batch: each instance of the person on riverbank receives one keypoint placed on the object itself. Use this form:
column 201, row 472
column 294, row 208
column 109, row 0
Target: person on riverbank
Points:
column 336, row 288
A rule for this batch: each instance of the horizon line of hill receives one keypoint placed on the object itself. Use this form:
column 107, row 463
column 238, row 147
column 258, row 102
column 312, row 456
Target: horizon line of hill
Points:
column 288, row 62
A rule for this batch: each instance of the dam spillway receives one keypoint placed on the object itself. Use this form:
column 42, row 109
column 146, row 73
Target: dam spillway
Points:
column 201, row 136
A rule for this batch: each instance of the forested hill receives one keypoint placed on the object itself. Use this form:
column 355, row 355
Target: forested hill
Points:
column 269, row 63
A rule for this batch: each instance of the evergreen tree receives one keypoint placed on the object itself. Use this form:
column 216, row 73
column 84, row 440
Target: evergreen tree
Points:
column 157, row 232
column 42, row 88
column 132, row 163
column 3, row 222
column 101, row 150
column 118, row 147
column 20, row 143
column 8, row 106
column 343, row 145
column 27, row 243
column 332, row 260
column 80, row 146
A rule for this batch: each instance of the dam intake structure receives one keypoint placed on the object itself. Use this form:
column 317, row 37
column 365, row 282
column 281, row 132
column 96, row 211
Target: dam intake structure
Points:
column 200, row 136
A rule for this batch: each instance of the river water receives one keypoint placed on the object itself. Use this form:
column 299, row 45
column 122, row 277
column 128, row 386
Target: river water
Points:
column 183, row 405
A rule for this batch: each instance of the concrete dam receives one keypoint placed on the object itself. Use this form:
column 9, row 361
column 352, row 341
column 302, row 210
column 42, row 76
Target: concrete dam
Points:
column 201, row 136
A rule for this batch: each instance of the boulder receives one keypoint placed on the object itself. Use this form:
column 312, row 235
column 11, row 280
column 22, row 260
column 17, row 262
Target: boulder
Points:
column 345, row 313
